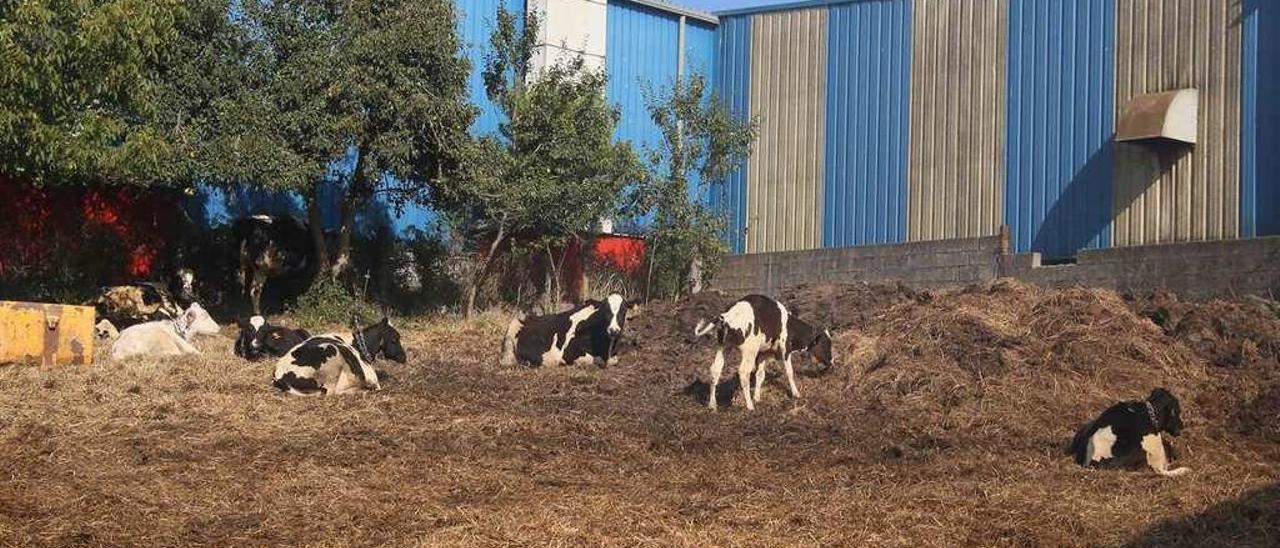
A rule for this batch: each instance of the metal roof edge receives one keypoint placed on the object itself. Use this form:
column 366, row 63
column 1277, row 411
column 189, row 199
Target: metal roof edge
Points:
column 782, row 7
column 691, row 13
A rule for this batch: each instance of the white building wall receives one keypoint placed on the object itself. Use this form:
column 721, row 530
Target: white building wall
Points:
column 569, row 28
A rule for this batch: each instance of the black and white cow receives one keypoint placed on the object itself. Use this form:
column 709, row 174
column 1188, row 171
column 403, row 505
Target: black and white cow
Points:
column 586, row 334
column 259, row 339
column 132, row 304
column 762, row 329
column 338, row 363
column 272, row 247
column 1128, row 434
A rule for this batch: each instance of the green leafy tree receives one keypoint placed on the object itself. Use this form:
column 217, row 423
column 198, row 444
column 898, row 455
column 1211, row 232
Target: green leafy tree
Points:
column 699, row 136
column 377, row 84
column 79, row 88
column 553, row 170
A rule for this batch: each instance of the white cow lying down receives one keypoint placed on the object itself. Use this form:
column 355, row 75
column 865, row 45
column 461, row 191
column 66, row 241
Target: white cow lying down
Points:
column 165, row 337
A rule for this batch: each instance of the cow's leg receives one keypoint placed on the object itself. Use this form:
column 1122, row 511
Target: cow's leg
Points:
column 760, row 374
column 1154, row 447
column 744, row 374
column 255, row 290
column 791, row 377
column 717, row 366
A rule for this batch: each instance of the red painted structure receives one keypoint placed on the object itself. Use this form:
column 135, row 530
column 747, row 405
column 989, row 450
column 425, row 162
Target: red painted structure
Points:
column 39, row 226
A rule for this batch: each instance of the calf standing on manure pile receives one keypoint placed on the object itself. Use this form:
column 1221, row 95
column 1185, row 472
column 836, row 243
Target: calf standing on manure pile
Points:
column 762, row 329
column 584, row 335
column 1127, row 431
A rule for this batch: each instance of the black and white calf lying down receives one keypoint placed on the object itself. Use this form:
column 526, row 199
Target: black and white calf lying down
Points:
column 338, row 363
column 586, row 334
column 762, row 329
column 259, row 339
column 1128, row 434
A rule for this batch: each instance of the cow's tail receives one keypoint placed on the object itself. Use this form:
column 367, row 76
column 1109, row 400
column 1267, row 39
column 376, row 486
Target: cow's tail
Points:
column 509, row 342
column 707, row 326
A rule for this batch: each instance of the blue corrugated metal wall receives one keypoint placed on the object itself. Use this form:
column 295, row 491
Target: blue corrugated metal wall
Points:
column 642, row 53
column 1061, row 93
column 733, row 77
column 700, row 58
column 868, row 123
column 475, row 23
column 1260, row 177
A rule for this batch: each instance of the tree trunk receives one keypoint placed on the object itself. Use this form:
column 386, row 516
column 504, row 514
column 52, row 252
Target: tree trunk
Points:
column 356, row 193
column 316, row 225
column 483, row 271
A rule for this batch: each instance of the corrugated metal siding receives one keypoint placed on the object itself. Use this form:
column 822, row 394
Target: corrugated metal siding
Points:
column 1260, row 203
column 788, row 93
column 699, row 58
column 958, row 88
column 733, row 78
column 1060, row 122
column 867, row 123
column 700, row 48
column 475, row 23
column 642, row 53
column 1194, row 195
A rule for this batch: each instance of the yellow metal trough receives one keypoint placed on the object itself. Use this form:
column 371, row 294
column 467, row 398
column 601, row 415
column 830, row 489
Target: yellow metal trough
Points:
column 46, row 334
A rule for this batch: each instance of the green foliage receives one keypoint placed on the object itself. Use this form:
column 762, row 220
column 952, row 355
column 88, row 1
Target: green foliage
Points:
column 700, row 136
column 330, row 302
column 553, row 170
column 79, row 82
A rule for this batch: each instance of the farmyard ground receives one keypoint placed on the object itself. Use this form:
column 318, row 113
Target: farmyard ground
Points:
column 942, row 425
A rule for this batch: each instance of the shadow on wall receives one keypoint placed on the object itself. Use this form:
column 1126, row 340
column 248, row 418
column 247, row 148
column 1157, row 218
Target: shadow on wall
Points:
column 1252, row 520
column 1081, row 212
column 1141, row 165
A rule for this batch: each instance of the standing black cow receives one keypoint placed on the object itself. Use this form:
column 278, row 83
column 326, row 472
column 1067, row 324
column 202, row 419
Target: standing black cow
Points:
column 272, row 247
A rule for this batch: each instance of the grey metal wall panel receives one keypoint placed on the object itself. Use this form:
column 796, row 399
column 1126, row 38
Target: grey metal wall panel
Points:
column 1168, row 194
column 956, row 169
column 788, row 93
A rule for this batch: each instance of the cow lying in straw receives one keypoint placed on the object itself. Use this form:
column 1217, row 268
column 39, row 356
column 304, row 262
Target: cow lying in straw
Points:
column 1128, row 434
column 338, row 363
column 259, row 339
column 586, row 334
column 126, row 305
column 762, row 329
column 165, row 337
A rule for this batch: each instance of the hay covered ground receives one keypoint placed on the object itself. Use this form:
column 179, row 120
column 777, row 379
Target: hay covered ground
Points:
column 943, row 424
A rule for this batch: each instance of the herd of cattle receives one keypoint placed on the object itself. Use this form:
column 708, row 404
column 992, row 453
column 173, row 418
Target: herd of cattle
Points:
column 161, row 319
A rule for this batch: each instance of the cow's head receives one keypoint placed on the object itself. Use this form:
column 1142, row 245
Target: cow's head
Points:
column 820, row 348
column 383, row 340
column 616, row 308
column 1167, row 409
column 105, row 330
column 196, row 321
column 183, row 286
column 249, row 343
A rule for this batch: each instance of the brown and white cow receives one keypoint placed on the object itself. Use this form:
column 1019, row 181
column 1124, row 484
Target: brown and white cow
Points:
column 762, row 329
column 586, row 334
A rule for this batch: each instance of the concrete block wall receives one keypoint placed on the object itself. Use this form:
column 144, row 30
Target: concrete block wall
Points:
column 1192, row 269
column 939, row 263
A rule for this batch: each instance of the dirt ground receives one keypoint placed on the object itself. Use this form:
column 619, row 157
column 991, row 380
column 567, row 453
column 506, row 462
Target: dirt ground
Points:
column 942, row 424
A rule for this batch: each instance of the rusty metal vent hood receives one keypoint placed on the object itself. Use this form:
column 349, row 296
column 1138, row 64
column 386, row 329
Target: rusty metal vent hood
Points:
column 1168, row 116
